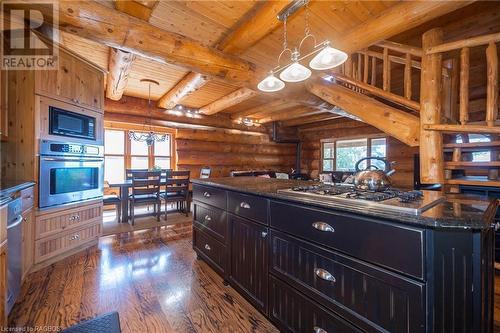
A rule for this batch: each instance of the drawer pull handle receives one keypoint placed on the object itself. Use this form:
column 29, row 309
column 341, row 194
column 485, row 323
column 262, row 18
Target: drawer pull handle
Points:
column 206, row 194
column 74, row 217
column 245, row 205
column 75, row 237
column 324, row 275
column 322, row 226
column 207, row 247
column 208, row 218
column 318, row 329
column 263, row 234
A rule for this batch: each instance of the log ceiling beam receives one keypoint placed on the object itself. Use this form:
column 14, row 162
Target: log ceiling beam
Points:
column 394, row 20
column 255, row 28
column 186, row 86
column 322, row 117
column 399, row 124
column 275, row 105
column 138, row 108
column 120, row 64
column 233, row 98
column 290, row 113
column 140, row 9
column 91, row 20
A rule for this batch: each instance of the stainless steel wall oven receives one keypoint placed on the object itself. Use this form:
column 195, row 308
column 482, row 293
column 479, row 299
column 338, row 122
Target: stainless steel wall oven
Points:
column 69, row 172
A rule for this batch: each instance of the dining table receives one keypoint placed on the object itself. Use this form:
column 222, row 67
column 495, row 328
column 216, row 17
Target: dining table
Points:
column 124, row 186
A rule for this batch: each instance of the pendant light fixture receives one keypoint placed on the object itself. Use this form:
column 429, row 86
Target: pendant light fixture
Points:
column 325, row 56
column 148, row 135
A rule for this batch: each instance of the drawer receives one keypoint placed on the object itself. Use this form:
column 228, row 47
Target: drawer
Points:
column 249, row 206
column 397, row 247
column 49, row 247
column 295, row 313
column 212, row 196
column 28, row 198
column 211, row 250
column 55, row 221
column 211, row 220
column 371, row 298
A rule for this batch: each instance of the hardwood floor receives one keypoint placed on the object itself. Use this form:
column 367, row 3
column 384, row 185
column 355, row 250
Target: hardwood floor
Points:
column 151, row 277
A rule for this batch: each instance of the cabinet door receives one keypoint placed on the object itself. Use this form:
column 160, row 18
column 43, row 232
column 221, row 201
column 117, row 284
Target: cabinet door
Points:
column 249, row 252
column 89, row 89
column 28, row 231
column 58, row 83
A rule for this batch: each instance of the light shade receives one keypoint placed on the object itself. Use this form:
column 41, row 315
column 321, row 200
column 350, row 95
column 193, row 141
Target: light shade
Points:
column 328, row 58
column 271, row 83
column 295, row 73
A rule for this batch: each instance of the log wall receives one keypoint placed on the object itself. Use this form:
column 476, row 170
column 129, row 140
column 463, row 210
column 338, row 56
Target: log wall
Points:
column 397, row 151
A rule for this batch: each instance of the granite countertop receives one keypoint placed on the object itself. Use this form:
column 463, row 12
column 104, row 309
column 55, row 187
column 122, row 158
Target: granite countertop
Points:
column 458, row 211
column 7, row 187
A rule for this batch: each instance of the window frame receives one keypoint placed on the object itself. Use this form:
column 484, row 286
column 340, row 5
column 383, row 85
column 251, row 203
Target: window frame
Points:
column 368, row 138
column 126, row 128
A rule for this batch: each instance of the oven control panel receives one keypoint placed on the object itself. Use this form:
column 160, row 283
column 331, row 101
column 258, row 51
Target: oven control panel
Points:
column 61, row 148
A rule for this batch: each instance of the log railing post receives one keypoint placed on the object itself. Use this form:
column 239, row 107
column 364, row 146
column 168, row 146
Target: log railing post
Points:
column 348, row 67
column 455, row 81
column 360, row 62
column 431, row 142
column 386, row 75
column 464, row 85
column 365, row 69
column 407, row 77
column 373, row 80
column 492, row 86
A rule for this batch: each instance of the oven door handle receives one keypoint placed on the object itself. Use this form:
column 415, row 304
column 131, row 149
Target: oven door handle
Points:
column 15, row 224
column 72, row 159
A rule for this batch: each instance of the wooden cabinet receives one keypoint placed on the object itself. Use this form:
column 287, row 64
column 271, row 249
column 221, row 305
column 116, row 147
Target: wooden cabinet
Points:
column 28, row 237
column 249, row 264
column 3, row 284
column 4, row 114
column 75, row 82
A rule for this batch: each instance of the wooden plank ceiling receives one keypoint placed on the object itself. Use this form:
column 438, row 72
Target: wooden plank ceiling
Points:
column 211, row 23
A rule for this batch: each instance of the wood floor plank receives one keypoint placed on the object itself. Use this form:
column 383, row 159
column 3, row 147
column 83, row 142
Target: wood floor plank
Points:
column 151, row 277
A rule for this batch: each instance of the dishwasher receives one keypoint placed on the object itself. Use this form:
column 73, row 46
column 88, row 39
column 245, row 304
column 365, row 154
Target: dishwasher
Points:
column 14, row 250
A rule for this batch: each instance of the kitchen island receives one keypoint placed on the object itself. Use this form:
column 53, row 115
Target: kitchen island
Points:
column 321, row 266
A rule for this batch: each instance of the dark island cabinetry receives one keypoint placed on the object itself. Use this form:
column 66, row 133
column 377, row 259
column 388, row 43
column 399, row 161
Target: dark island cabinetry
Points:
column 314, row 269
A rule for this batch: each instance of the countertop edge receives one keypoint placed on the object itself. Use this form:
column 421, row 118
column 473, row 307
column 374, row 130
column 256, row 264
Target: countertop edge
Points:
column 17, row 187
column 485, row 222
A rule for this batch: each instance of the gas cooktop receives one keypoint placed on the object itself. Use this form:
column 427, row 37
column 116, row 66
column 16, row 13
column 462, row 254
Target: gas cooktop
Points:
column 391, row 200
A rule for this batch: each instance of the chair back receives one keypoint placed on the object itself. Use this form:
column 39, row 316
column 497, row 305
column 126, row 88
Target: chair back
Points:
column 205, row 172
column 145, row 182
column 129, row 172
column 177, row 182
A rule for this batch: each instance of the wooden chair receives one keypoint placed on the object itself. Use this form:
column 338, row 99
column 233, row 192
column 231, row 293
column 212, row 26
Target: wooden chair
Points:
column 205, row 172
column 129, row 172
column 176, row 190
column 113, row 199
column 145, row 190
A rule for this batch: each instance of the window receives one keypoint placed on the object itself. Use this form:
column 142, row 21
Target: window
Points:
column 342, row 155
column 120, row 153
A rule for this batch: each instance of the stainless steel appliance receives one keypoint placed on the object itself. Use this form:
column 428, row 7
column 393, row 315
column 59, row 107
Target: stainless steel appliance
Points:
column 69, row 172
column 14, row 248
column 71, row 124
column 390, row 200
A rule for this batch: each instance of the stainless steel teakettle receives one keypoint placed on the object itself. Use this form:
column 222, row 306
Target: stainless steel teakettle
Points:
column 372, row 179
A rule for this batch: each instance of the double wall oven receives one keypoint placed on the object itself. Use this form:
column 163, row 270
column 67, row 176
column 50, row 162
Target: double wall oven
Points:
column 71, row 156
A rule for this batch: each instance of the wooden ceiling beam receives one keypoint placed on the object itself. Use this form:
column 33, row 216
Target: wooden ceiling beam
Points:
column 140, row 9
column 91, row 20
column 304, row 120
column 233, row 98
column 277, row 104
column 186, row 86
column 399, row 124
column 394, row 20
column 255, row 28
column 291, row 113
column 120, row 64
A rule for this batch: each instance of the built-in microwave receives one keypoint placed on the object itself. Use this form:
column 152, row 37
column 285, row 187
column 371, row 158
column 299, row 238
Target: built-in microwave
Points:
column 71, row 124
